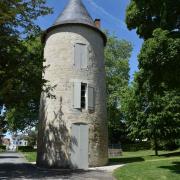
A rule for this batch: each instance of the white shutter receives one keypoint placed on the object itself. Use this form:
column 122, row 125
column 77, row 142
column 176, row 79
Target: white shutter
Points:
column 77, row 95
column 91, row 98
column 84, row 56
column 80, row 56
column 77, row 56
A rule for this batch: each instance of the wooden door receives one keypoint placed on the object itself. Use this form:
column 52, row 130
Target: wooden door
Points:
column 79, row 154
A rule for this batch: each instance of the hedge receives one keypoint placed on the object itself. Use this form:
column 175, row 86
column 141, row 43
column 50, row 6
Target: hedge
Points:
column 2, row 148
column 136, row 146
column 26, row 148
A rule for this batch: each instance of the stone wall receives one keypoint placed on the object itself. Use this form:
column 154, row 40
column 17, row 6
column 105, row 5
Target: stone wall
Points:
column 56, row 112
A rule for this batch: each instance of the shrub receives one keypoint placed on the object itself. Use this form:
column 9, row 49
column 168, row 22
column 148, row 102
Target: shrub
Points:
column 26, row 149
column 178, row 142
column 136, row 146
column 169, row 145
column 2, row 148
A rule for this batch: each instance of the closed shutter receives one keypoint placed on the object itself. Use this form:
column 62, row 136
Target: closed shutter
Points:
column 91, row 98
column 77, row 95
column 77, row 56
column 84, row 56
column 80, row 59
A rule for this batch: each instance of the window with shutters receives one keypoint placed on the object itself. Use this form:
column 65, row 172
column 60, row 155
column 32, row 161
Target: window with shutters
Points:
column 84, row 97
column 80, row 56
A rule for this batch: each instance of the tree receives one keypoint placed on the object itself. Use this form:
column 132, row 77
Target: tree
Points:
column 117, row 54
column 159, row 62
column 157, row 87
column 23, row 111
column 146, row 16
column 3, row 127
column 32, row 138
column 21, row 60
column 158, row 121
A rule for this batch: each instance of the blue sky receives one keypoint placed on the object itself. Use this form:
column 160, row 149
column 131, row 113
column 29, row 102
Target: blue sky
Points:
column 112, row 15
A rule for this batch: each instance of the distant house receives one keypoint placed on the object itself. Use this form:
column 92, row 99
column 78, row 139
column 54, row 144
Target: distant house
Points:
column 15, row 141
column 6, row 141
column 19, row 140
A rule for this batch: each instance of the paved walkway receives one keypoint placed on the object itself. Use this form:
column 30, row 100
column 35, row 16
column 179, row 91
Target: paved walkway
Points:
column 14, row 166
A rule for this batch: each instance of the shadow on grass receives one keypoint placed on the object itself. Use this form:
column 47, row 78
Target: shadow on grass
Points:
column 175, row 167
column 122, row 160
column 171, row 154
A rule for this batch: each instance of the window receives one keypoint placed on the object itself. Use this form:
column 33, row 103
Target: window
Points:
column 80, row 56
column 83, row 96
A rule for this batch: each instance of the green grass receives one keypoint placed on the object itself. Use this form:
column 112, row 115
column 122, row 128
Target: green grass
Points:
column 30, row 156
column 143, row 165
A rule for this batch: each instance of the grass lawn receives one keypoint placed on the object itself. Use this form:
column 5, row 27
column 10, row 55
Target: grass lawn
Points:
column 30, row 156
column 143, row 165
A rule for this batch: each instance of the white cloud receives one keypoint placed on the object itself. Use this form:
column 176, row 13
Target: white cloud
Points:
column 107, row 14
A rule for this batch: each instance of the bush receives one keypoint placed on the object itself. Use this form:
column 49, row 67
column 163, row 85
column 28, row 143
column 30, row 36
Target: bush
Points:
column 136, row 146
column 2, row 148
column 169, row 145
column 178, row 142
column 26, row 149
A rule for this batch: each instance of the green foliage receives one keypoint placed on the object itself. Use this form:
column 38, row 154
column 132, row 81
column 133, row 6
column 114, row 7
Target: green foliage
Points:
column 26, row 149
column 117, row 54
column 146, row 16
column 22, row 112
column 169, row 145
column 3, row 127
column 32, row 138
column 21, row 14
column 157, row 119
column 2, row 148
column 21, row 60
column 152, row 110
column 159, row 62
column 136, row 146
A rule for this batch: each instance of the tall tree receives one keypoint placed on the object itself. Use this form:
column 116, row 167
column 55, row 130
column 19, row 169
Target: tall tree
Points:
column 23, row 111
column 117, row 54
column 157, row 83
column 20, row 58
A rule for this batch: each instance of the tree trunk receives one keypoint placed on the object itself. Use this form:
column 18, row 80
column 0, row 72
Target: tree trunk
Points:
column 156, row 146
column 1, row 139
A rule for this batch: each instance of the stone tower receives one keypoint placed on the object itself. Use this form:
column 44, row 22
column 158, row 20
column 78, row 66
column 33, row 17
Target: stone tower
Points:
column 73, row 118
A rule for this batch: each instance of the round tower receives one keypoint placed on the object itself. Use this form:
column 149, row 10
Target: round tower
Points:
column 73, row 119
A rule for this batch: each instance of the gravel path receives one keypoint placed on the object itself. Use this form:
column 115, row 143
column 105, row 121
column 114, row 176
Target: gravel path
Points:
column 14, row 166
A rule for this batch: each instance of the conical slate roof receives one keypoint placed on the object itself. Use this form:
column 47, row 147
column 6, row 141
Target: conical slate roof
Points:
column 75, row 12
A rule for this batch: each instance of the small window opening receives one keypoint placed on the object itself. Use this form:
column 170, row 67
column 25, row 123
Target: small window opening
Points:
column 83, row 95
